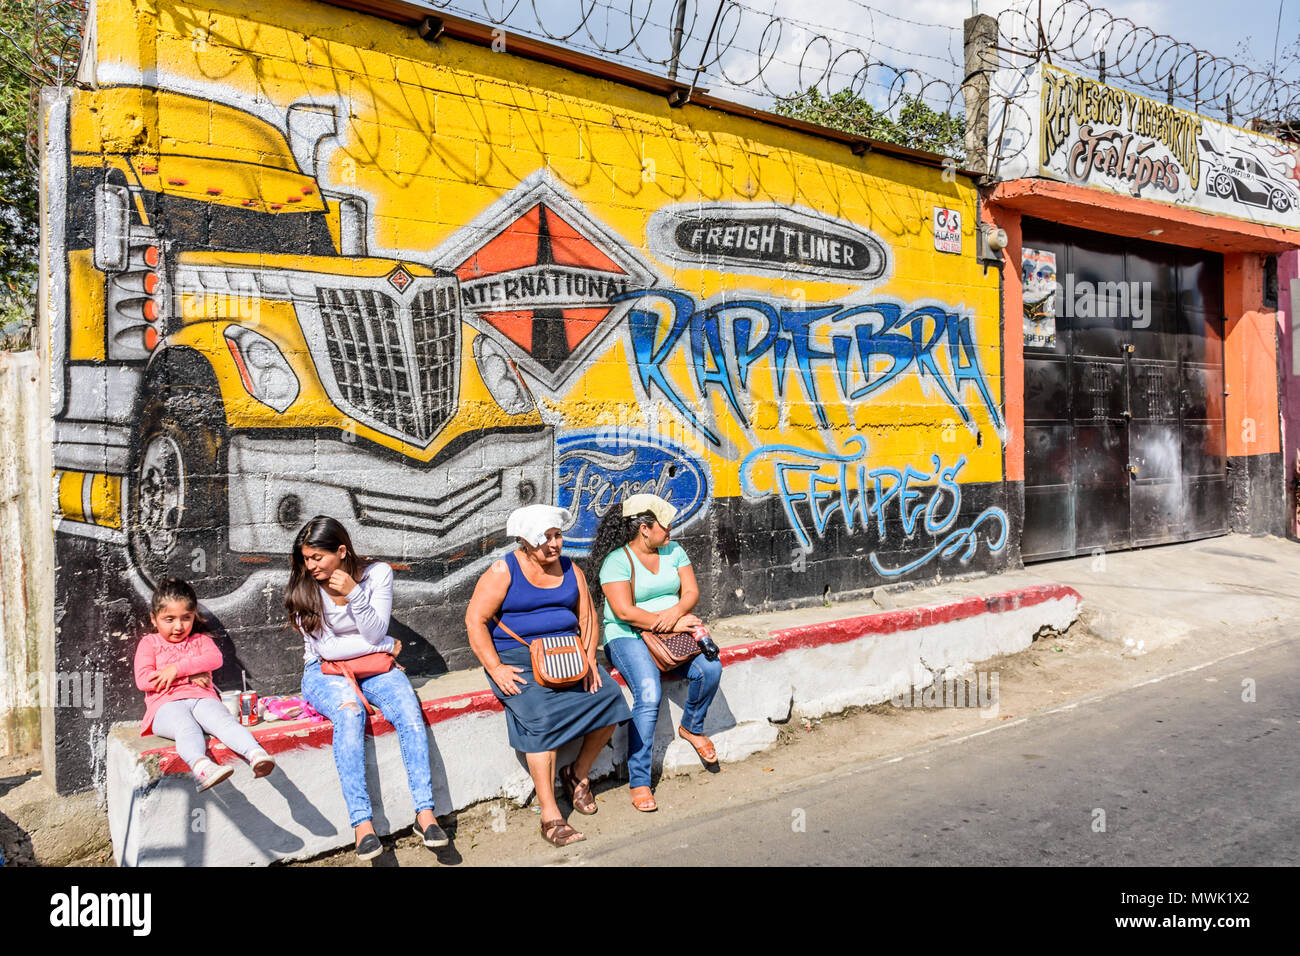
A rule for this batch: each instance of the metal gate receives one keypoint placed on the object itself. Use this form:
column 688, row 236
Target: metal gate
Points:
column 1125, row 440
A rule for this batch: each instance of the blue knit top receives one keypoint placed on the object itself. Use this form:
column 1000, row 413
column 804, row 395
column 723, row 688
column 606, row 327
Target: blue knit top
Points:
column 533, row 612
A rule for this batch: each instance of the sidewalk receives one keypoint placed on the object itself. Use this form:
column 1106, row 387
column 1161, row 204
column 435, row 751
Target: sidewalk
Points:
column 1161, row 595
column 1073, row 672
column 1156, row 596
column 1164, row 593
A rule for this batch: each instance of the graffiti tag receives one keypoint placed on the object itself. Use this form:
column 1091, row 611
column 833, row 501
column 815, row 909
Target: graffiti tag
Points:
column 871, row 346
column 816, row 486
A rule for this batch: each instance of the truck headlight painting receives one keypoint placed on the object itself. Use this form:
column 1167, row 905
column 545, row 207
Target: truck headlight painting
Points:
column 500, row 377
column 264, row 371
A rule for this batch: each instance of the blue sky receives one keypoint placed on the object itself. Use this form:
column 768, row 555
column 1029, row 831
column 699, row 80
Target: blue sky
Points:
column 922, row 37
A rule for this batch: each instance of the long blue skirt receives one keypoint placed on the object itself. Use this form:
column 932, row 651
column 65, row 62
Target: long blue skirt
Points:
column 541, row 718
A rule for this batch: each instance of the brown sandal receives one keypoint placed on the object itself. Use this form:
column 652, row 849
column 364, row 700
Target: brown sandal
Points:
column 643, row 799
column 559, row 833
column 579, row 793
column 705, row 750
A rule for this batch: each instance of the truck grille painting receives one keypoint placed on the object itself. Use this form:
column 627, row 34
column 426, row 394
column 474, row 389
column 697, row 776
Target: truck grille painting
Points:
column 394, row 364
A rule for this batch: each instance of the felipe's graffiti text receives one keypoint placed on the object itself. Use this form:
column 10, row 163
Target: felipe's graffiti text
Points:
column 815, row 486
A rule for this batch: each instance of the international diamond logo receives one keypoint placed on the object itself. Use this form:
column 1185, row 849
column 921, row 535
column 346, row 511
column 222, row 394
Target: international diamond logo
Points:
column 399, row 279
column 542, row 273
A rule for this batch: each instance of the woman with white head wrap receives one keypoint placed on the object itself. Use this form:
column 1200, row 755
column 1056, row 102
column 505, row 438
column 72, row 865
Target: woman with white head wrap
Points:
column 533, row 522
column 536, row 592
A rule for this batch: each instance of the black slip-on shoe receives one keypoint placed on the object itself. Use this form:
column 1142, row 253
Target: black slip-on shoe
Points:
column 369, row 847
column 432, row 835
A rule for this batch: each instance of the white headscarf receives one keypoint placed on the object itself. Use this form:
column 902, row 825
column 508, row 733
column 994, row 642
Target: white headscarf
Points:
column 532, row 522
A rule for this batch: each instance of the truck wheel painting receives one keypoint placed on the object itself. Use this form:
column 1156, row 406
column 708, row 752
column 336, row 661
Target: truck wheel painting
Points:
column 178, row 471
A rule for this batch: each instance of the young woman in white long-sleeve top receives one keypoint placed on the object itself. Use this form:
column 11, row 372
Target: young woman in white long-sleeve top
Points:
column 342, row 605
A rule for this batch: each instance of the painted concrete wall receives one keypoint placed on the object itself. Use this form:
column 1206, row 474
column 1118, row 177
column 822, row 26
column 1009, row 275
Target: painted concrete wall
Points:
column 416, row 285
column 1256, row 472
column 25, row 558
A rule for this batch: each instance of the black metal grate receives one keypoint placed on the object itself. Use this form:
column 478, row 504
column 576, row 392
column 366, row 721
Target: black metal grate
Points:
column 398, row 368
column 434, row 322
column 1154, row 385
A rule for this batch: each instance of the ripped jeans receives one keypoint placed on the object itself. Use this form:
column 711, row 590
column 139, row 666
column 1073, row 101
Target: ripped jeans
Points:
column 392, row 693
column 633, row 660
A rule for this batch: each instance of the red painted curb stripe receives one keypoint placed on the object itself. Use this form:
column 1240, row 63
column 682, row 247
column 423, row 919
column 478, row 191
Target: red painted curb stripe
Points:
column 913, row 618
column 292, row 735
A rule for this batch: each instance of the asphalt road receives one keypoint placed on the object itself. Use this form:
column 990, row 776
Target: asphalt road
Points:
column 1186, row 772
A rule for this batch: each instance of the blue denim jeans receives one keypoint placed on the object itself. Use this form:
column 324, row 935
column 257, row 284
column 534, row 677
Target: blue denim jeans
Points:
column 633, row 660
column 392, row 693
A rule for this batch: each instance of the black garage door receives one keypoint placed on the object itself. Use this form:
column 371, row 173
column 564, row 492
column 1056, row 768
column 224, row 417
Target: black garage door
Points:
column 1124, row 430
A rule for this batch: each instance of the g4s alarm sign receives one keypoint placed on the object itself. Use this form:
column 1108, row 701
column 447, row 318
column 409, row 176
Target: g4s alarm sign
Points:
column 947, row 229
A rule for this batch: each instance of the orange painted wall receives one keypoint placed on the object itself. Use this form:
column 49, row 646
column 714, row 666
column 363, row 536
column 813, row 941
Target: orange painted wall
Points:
column 1249, row 358
column 1013, row 344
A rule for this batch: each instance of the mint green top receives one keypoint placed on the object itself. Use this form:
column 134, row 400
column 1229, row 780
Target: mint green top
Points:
column 654, row 592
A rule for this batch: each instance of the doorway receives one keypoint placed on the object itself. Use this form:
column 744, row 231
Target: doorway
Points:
column 1125, row 439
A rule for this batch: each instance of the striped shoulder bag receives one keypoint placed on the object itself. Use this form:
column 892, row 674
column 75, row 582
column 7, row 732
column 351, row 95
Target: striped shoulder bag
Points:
column 558, row 661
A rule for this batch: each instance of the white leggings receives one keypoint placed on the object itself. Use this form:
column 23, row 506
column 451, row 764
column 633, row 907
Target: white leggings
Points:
column 184, row 721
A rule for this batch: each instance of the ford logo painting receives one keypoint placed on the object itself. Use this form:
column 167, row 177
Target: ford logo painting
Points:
column 599, row 467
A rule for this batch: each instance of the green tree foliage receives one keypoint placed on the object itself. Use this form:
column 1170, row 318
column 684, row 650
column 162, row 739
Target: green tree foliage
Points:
column 18, row 198
column 913, row 124
column 39, row 45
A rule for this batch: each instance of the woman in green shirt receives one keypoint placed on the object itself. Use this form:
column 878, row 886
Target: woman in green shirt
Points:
column 666, row 593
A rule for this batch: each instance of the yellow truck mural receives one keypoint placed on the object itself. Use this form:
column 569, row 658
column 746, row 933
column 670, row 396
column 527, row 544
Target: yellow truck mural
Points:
column 263, row 367
column 413, row 283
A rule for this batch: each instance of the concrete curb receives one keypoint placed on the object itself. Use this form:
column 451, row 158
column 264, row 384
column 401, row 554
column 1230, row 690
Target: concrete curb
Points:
column 156, row 818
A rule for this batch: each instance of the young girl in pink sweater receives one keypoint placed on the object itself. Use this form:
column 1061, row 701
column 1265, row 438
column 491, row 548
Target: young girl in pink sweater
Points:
column 174, row 669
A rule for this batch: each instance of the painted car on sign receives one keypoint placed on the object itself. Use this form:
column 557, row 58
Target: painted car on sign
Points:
column 1240, row 176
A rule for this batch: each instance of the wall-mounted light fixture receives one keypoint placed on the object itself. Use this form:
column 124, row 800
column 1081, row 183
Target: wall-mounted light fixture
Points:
column 992, row 240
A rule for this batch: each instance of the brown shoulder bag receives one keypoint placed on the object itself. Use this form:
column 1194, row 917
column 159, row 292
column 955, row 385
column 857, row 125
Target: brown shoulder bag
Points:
column 669, row 651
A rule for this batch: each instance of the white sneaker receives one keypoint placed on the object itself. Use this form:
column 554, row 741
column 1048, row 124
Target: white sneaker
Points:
column 208, row 774
column 262, row 762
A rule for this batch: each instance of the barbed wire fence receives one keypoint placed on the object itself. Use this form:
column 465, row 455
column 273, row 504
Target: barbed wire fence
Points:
column 772, row 60
column 40, row 46
column 1076, row 33
column 736, row 51
column 763, row 58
